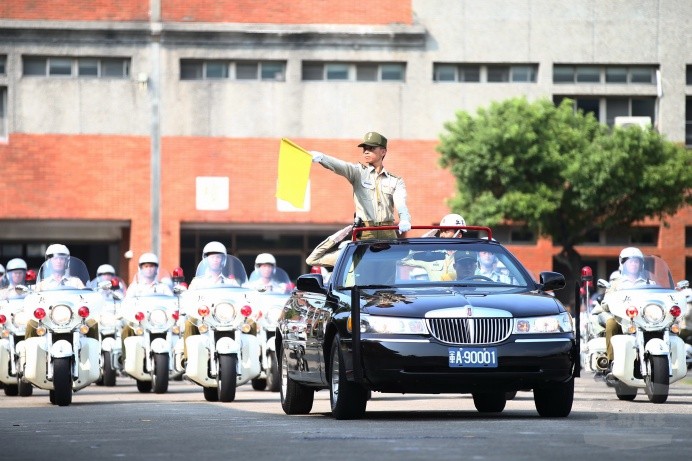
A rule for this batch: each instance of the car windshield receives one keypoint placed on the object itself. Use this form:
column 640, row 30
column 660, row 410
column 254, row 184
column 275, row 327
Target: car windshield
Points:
column 446, row 261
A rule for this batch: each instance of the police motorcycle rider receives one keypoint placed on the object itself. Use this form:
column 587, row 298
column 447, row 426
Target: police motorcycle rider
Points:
column 111, row 322
column 13, row 290
column 62, row 351
column 150, row 310
column 222, row 350
column 273, row 286
column 642, row 340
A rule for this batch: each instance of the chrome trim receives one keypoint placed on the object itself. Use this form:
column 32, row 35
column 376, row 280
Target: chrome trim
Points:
column 542, row 340
column 377, row 340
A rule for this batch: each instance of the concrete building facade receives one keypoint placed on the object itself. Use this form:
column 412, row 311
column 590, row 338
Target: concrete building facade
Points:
column 132, row 126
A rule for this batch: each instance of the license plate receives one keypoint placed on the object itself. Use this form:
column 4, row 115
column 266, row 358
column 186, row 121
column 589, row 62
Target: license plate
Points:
column 473, row 357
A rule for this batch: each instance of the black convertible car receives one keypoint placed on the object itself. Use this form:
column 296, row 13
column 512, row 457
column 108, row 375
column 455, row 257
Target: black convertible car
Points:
column 426, row 315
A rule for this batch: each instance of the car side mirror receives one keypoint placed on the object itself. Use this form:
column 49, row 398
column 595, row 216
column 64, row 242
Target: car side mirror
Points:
column 551, row 281
column 312, row 283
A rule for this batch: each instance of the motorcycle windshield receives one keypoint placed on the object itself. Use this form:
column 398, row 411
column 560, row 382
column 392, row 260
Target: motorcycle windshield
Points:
column 62, row 273
column 217, row 269
column 654, row 274
column 276, row 282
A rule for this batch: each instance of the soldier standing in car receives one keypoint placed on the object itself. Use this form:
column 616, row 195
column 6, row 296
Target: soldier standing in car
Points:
column 376, row 192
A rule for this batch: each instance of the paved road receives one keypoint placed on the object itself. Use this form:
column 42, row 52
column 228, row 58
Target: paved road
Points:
column 121, row 423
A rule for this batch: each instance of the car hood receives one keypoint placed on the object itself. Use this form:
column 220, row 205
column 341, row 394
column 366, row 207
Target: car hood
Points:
column 451, row 304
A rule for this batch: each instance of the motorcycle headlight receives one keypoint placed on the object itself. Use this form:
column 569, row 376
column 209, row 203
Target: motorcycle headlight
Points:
column 20, row 319
column 391, row 325
column 108, row 320
column 561, row 323
column 60, row 314
column 653, row 313
column 158, row 318
column 224, row 312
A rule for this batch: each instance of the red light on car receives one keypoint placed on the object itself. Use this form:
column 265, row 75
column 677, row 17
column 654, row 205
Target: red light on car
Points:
column 139, row 316
column 316, row 270
column 115, row 283
column 203, row 311
column 245, row 311
column 675, row 311
column 3, row 319
column 178, row 272
column 40, row 313
column 632, row 312
column 83, row 312
column 176, row 315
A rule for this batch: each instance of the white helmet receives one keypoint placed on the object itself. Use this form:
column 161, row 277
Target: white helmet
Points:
column 452, row 220
column 16, row 263
column 56, row 249
column 150, row 258
column 213, row 247
column 630, row 252
column 105, row 269
column 264, row 258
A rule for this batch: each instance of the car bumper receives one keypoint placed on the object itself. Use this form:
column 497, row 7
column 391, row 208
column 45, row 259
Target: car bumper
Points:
column 422, row 366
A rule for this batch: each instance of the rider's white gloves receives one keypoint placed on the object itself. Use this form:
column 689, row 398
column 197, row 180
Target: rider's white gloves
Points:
column 316, row 156
column 404, row 226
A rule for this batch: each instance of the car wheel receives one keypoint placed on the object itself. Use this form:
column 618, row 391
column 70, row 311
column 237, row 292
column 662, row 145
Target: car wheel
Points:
column 554, row 400
column 296, row 399
column 348, row 399
column 489, row 402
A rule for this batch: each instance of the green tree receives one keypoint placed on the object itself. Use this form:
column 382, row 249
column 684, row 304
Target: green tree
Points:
column 561, row 173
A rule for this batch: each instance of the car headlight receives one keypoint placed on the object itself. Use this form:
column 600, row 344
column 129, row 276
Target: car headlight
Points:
column 561, row 323
column 224, row 312
column 158, row 318
column 653, row 313
column 392, row 325
column 60, row 314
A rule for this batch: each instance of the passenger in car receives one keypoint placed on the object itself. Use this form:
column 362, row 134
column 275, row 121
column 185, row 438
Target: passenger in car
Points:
column 487, row 267
column 376, row 192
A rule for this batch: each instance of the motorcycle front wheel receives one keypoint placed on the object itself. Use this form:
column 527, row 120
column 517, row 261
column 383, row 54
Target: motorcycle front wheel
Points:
column 273, row 377
column 161, row 371
column 62, row 381
column 657, row 382
column 108, row 371
column 227, row 377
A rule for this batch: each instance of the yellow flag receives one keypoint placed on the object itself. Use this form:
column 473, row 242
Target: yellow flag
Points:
column 294, row 172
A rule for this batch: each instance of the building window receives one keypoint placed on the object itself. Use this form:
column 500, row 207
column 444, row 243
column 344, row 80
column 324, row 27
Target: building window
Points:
column 3, row 65
column 473, row 73
column 635, row 236
column 515, row 235
column 688, row 75
column 3, row 112
column 55, row 66
column 605, row 109
column 349, row 72
column 608, row 74
column 214, row 69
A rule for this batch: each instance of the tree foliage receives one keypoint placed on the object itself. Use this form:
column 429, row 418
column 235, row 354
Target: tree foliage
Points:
column 561, row 173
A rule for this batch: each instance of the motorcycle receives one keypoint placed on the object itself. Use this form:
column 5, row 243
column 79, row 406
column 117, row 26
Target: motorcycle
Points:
column 149, row 352
column 270, row 299
column 62, row 358
column 649, row 353
column 110, row 325
column 686, row 323
column 13, row 322
column 226, row 352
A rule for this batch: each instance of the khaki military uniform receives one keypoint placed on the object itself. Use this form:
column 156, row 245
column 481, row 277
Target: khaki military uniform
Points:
column 439, row 270
column 375, row 195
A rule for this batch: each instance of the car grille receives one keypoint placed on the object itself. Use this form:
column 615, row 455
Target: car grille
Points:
column 470, row 330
